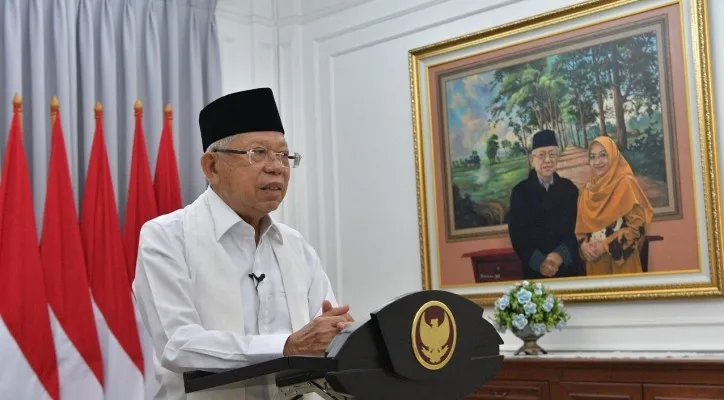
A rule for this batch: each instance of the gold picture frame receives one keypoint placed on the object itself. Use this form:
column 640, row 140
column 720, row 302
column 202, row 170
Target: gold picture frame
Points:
column 680, row 33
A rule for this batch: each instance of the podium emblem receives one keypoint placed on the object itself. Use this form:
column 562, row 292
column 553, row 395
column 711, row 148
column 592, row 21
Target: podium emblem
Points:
column 434, row 335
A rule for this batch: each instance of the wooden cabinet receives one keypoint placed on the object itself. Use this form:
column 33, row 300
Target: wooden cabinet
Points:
column 554, row 378
column 683, row 392
column 596, row 391
column 515, row 390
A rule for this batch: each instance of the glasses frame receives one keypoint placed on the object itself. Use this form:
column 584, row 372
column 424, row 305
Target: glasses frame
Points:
column 542, row 156
column 270, row 155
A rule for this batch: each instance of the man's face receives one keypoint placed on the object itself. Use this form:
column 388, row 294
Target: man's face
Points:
column 253, row 185
column 545, row 160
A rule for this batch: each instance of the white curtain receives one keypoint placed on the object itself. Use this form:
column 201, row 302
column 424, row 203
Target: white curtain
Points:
column 116, row 52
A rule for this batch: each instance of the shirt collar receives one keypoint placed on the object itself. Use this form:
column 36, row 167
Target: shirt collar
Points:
column 225, row 218
column 552, row 181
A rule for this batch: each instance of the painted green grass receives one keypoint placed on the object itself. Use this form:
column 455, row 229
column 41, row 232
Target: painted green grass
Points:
column 492, row 183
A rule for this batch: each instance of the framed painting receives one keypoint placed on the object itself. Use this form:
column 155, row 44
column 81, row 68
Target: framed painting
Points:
column 576, row 147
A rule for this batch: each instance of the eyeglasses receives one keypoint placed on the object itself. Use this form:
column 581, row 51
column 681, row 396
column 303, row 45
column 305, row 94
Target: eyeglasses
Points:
column 542, row 155
column 260, row 155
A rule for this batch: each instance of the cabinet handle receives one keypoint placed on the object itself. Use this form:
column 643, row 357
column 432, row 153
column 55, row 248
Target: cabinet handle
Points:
column 500, row 395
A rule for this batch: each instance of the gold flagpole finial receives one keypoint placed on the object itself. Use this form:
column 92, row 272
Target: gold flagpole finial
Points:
column 98, row 109
column 54, row 107
column 17, row 102
column 168, row 112
column 138, row 106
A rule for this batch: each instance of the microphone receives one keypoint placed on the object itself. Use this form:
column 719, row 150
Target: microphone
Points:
column 258, row 279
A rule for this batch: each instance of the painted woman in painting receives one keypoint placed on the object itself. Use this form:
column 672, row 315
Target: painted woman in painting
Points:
column 613, row 213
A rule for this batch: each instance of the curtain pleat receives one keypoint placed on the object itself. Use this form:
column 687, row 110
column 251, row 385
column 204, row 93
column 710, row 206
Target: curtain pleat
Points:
column 86, row 60
column 11, row 61
column 130, row 83
column 116, row 52
column 36, row 113
column 153, row 87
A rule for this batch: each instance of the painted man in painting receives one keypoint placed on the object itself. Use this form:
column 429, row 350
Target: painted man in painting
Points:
column 542, row 217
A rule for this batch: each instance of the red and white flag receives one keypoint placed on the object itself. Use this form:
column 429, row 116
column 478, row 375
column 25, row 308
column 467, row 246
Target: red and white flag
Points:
column 141, row 203
column 166, row 181
column 80, row 362
column 107, row 272
column 28, row 369
column 141, row 207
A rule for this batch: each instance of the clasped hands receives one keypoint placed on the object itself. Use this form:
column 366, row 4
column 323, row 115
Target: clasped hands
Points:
column 550, row 265
column 314, row 337
column 593, row 250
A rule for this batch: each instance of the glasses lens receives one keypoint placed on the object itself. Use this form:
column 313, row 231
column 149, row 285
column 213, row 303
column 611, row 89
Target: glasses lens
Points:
column 258, row 155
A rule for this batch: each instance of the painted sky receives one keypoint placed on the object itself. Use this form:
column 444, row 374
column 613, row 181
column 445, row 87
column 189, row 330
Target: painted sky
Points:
column 468, row 100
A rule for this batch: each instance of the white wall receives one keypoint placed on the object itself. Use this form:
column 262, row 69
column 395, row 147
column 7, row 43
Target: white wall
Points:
column 344, row 86
column 261, row 47
column 356, row 104
column 250, row 58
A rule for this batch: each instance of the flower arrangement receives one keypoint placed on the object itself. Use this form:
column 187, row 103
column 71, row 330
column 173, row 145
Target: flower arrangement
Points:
column 532, row 306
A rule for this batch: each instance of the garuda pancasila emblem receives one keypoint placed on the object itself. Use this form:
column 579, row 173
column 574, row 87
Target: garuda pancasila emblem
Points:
column 434, row 335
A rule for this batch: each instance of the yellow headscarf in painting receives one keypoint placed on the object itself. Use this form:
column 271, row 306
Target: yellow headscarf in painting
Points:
column 609, row 197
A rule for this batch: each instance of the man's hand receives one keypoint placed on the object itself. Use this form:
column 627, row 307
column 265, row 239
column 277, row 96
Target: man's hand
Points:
column 314, row 337
column 549, row 267
column 551, row 264
column 556, row 258
column 327, row 309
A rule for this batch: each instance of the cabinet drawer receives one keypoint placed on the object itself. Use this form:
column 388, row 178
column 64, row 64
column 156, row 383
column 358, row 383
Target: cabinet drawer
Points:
column 683, row 392
column 512, row 390
column 596, row 391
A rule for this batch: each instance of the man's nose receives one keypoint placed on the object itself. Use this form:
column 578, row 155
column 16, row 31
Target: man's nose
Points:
column 274, row 166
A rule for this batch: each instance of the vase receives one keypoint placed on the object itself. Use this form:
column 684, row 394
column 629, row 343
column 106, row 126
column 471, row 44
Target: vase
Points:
column 530, row 345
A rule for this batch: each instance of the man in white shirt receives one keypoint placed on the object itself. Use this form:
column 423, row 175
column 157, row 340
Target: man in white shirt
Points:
column 220, row 284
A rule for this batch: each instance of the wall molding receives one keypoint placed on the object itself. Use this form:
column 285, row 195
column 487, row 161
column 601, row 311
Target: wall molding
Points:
column 309, row 50
column 323, row 87
column 386, row 18
column 300, row 16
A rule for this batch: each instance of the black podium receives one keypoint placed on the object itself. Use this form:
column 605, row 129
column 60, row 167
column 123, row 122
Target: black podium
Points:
column 425, row 345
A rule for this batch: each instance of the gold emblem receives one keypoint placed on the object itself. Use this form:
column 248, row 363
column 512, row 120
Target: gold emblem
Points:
column 434, row 335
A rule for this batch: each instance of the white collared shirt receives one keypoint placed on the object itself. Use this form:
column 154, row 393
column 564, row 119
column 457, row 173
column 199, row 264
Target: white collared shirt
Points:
column 161, row 265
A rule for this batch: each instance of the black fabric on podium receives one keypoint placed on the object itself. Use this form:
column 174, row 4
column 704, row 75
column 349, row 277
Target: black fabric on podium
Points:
column 374, row 359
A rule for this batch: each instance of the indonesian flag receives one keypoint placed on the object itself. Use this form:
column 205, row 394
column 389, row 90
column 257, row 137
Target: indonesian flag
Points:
column 166, row 180
column 80, row 362
column 28, row 368
column 107, row 272
column 141, row 205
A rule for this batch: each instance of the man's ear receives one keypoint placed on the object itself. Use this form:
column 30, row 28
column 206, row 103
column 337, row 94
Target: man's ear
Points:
column 209, row 166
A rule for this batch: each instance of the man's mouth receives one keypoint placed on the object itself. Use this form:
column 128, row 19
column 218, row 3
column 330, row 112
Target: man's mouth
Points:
column 273, row 186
